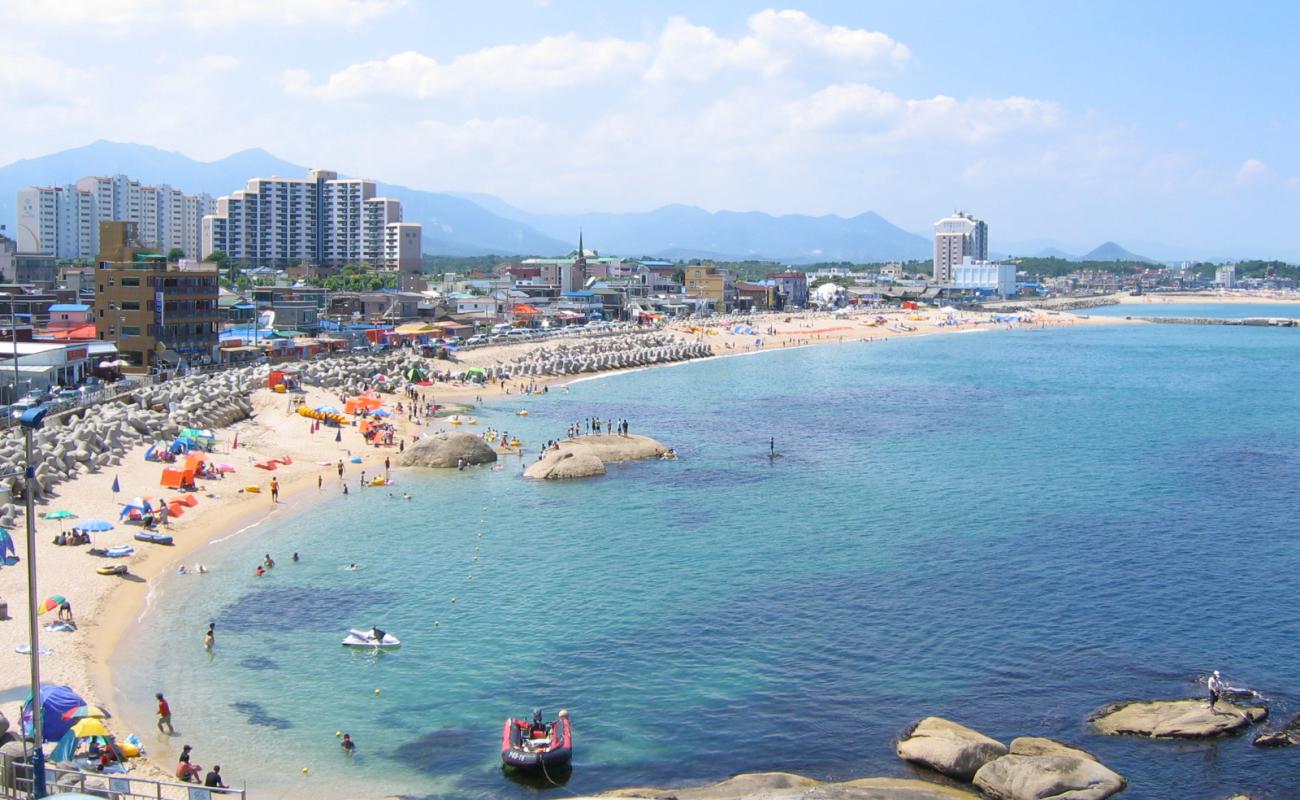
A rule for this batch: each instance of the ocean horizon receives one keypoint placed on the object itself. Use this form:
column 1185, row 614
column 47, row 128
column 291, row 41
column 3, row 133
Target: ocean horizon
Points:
column 1009, row 530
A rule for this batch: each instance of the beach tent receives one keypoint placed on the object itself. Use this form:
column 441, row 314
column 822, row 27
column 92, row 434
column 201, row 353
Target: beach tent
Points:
column 138, row 505
column 475, row 372
column 414, row 375
column 55, row 702
column 201, row 436
column 175, row 478
column 193, row 460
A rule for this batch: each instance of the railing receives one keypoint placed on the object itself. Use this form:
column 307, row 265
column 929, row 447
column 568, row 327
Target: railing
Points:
column 17, row 785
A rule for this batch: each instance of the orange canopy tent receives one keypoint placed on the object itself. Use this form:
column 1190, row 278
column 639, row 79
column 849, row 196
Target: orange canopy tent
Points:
column 194, row 459
column 176, row 478
column 365, row 402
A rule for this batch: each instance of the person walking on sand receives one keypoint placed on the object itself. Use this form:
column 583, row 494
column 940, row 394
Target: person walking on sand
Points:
column 162, row 513
column 340, row 469
column 1215, row 686
column 164, row 715
column 275, row 490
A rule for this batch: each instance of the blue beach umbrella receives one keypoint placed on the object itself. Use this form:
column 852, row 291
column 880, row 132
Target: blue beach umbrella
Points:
column 95, row 525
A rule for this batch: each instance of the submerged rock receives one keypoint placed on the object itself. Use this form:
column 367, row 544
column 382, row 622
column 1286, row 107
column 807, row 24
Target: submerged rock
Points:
column 446, row 450
column 787, row 786
column 1177, row 719
column 948, row 747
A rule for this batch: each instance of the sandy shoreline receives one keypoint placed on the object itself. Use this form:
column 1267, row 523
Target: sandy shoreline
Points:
column 107, row 607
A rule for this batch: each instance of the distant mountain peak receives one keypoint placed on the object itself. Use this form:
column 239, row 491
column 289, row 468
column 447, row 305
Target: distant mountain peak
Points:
column 1110, row 251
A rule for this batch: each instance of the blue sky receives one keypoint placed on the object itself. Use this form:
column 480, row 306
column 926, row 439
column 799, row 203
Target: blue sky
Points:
column 1146, row 123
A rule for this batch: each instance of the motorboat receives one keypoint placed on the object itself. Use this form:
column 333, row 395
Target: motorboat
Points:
column 535, row 745
column 373, row 639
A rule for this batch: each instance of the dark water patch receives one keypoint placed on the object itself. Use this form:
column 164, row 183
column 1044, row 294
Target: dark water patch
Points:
column 449, row 748
column 258, row 715
column 291, row 608
column 258, row 663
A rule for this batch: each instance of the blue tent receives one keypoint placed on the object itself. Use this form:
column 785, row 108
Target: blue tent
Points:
column 8, row 556
column 55, row 700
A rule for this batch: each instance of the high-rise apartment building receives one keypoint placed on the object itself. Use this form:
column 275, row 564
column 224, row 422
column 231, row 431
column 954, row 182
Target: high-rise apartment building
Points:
column 322, row 220
column 63, row 221
column 957, row 237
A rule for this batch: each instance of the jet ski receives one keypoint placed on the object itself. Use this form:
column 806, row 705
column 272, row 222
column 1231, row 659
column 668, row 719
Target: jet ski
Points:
column 373, row 638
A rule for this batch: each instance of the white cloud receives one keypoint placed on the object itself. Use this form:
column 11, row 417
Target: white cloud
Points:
column 777, row 42
column 121, row 16
column 551, row 63
column 218, row 62
column 1252, row 170
column 31, row 79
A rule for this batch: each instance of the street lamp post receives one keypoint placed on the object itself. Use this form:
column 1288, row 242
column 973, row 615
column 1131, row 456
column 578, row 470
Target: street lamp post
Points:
column 31, row 420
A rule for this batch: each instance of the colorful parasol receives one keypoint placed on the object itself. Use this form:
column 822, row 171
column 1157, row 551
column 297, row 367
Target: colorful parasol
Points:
column 87, row 712
column 52, row 602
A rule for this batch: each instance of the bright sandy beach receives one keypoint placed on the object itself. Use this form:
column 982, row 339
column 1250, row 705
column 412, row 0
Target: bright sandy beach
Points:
column 106, row 606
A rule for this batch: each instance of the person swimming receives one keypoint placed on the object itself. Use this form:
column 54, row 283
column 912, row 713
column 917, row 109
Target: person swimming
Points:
column 406, row 495
column 353, row 567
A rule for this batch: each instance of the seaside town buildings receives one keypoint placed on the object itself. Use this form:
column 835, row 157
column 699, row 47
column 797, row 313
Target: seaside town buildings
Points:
column 321, row 220
column 62, row 222
column 956, row 237
column 1226, row 276
column 159, row 313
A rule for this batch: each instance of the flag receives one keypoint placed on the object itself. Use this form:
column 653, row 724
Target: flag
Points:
column 117, row 487
column 235, row 445
column 338, row 436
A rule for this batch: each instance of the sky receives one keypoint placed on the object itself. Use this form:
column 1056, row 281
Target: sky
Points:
column 1064, row 122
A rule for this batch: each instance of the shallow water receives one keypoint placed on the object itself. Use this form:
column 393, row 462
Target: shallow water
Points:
column 1007, row 528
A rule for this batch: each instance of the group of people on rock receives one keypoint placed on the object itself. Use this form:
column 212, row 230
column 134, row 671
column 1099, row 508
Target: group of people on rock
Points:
column 597, row 425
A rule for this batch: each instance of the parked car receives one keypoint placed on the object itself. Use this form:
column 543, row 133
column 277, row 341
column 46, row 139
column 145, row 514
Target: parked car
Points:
column 478, row 338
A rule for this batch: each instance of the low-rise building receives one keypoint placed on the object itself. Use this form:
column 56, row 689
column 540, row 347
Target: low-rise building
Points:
column 159, row 314
column 715, row 286
column 792, row 287
column 988, row 276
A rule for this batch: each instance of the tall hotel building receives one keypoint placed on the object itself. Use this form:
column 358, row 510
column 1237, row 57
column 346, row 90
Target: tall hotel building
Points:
column 957, row 237
column 321, row 220
column 63, row 221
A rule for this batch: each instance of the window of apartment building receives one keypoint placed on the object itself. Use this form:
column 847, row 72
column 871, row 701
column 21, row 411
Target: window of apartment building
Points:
column 130, row 330
column 129, row 281
column 130, row 305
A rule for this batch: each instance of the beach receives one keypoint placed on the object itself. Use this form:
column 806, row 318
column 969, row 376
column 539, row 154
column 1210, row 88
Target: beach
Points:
column 107, row 606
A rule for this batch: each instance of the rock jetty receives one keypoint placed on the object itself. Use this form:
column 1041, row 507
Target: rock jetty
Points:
column 624, row 351
column 586, row 456
column 1177, row 719
column 1031, row 769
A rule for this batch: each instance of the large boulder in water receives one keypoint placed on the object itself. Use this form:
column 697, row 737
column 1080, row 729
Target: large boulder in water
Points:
column 447, row 450
column 1177, row 719
column 1047, row 770
column 577, row 462
column 948, row 747
column 618, row 448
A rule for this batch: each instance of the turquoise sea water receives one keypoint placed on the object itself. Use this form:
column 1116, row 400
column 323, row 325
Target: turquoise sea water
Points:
column 1198, row 310
column 1009, row 528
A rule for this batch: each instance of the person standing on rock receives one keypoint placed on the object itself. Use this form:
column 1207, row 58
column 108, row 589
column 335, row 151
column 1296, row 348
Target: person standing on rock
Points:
column 1215, row 686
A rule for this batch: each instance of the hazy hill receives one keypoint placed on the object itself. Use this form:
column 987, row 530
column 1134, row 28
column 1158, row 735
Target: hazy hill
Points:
column 1110, row 251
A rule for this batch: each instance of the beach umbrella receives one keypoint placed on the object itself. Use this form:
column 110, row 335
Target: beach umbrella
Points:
column 60, row 516
column 87, row 712
column 328, row 409
column 379, row 412
column 95, row 525
column 88, row 728
column 52, row 602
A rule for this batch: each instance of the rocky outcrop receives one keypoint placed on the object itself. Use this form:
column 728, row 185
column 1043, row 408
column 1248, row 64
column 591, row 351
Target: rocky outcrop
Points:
column 1177, row 719
column 785, row 786
column 1038, row 746
column 447, row 450
column 1055, row 773
column 949, row 748
column 564, row 464
column 1284, row 738
column 586, row 456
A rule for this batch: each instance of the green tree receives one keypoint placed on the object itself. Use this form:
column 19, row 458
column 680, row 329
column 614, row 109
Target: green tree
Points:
column 175, row 254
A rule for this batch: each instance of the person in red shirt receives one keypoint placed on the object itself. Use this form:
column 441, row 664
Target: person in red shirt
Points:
column 164, row 714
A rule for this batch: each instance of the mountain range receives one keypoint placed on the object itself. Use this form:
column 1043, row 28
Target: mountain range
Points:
column 474, row 224
column 468, row 224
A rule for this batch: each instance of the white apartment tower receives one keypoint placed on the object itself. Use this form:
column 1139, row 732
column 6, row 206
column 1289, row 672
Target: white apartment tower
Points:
column 63, row 221
column 957, row 237
column 321, row 219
